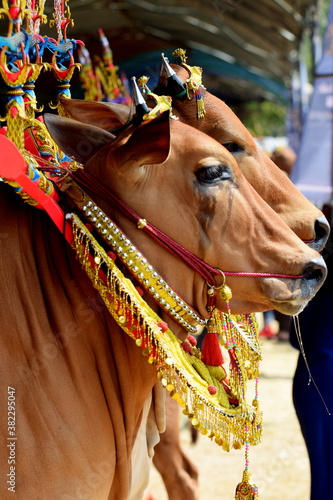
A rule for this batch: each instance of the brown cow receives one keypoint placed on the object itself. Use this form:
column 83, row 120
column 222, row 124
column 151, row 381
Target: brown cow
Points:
column 305, row 220
column 82, row 388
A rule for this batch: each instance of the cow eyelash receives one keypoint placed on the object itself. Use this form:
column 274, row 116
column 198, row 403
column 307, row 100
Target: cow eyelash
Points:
column 233, row 147
column 213, row 174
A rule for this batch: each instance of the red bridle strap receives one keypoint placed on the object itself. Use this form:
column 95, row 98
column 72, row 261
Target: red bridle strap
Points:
column 86, row 180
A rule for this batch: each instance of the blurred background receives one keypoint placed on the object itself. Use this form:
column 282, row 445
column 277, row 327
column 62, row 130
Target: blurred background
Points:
column 260, row 57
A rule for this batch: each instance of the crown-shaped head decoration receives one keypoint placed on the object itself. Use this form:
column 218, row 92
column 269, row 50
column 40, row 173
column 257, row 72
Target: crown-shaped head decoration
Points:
column 162, row 102
column 194, row 81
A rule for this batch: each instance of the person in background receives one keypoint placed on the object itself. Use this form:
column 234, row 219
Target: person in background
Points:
column 314, row 408
column 285, row 158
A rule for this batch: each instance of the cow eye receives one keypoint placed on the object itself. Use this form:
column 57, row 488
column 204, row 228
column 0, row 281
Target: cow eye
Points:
column 214, row 173
column 233, row 147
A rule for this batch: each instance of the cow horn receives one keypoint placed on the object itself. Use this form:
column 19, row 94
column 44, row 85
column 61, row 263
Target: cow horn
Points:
column 141, row 107
column 175, row 86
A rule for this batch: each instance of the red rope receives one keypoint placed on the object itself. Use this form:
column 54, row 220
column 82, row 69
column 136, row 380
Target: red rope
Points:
column 86, row 180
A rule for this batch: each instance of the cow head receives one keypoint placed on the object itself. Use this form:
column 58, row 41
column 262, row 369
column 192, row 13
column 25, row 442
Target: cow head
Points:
column 273, row 186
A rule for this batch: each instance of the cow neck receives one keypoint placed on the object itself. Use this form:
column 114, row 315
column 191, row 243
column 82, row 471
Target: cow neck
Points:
column 142, row 270
column 216, row 405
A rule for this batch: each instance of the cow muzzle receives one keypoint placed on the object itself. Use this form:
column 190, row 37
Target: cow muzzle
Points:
column 290, row 296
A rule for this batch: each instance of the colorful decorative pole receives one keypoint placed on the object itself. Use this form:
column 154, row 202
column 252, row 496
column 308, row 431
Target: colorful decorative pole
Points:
column 63, row 64
column 106, row 73
column 15, row 70
column 87, row 75
column 100, row 79
column 35, row 55
column 15, row 13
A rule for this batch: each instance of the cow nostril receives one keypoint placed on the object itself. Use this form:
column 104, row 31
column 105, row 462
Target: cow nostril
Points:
column 312, row 274
column 322, row 230
column 316, row 270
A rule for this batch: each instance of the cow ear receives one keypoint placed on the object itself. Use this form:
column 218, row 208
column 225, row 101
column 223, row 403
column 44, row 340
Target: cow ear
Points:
column 105, row 115
column 149, row 144
column 76, row 139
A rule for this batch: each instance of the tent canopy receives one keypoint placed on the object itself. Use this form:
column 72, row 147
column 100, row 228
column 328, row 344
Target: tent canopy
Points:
column 247, row 49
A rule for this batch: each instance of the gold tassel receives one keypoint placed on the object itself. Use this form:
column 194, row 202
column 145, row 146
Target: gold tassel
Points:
column 246, row 489
column 200, row 104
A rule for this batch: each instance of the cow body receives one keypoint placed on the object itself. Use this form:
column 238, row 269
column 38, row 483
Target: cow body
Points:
column 80, row 386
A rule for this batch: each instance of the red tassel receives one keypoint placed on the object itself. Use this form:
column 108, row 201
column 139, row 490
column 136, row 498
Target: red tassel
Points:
column 163, row 325
column 192, row 340
column 187, row 348
column 211, row 353
column 149, row 495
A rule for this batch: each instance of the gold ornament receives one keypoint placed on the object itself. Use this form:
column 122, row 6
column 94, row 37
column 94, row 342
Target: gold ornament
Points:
column 194, row 81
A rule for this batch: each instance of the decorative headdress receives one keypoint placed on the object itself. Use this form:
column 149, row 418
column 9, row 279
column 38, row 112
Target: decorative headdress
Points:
column 175, row 85
column 192, row 85
column 162, row 102
column 139, row 104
